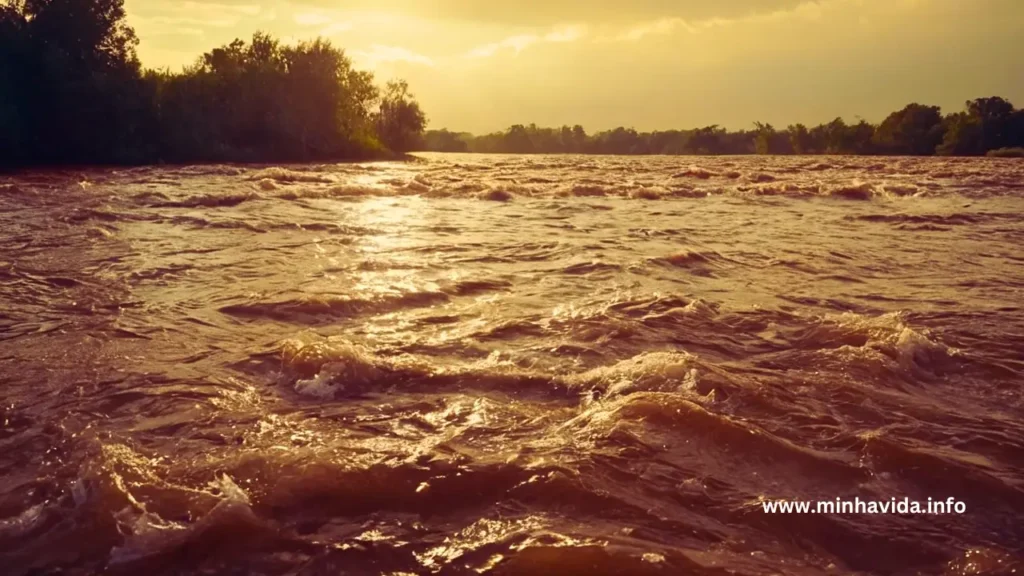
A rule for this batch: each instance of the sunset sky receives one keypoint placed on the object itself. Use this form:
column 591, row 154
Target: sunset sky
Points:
column 482, row 65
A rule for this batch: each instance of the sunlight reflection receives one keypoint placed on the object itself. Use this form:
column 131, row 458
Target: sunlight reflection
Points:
column 481, row 533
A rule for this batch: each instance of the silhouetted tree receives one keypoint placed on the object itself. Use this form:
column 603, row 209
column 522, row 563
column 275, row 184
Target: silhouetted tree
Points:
column 768, row 140
column 72, row 90
column 762, row 142
column 985, row 124
column 444, row 141
column 706, row 140
column 78, row 95
column 800, row 139
column 517, row 140
column 916, row 129
column 14, row 59
column 400, row 122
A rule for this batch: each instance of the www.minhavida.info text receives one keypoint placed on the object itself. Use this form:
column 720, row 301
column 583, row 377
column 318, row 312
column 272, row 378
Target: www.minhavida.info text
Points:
column 858, row 506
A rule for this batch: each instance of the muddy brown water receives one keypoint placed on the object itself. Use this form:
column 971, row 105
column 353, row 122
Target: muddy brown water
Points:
column 512, row 365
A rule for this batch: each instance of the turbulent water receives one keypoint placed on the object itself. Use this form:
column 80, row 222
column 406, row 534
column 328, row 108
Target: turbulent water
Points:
column 512, row 365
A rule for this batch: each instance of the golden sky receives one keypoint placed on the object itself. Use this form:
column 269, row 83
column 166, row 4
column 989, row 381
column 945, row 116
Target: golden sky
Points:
column 482, row 65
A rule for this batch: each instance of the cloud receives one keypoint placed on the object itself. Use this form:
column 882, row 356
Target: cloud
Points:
column 193, row 14
column 214, row 7
column 516, row 43
column 521, row 42
column 179, row 32
column 555, row 12
column 566, row 34
column 808, row 9
column 312, row 19
column 380, row 54
column 657, row 27
column 196, row 22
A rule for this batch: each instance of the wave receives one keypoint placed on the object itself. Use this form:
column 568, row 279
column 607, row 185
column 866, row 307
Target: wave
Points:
column 687, row 258
column 887, row 339
column 590, row 190
column 310, row 308
column 199, row 222
column 736, row 443
column 150, row 539
column 782, row 189
column 268, row 185
column 698, row 262
column 472, row 287
column 647, row 193
column 411, row 188
column 374, row 264
column 338, row 191
column 572, row 388
column 633, row 191
column 648, row 372
column 853, row 191
column 319, row 307
column 696, row 172
column 940, row 219
column 15, row 190
column 590, row 268
column 240, row 224
column 285, row 175
column 760, row 177
column 899, row 190
column 208, row 170
column 202, row 200
column 113, row 516
column 328, row 368
column 496, row 195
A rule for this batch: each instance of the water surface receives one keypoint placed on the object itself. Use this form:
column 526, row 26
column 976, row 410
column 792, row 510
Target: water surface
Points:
column 512, row 365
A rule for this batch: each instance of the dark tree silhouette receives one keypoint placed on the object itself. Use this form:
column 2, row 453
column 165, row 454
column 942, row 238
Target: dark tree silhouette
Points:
column 72, row 91
column 916, row 129
column 799, row 139
column 400, row 122
column 987, row 124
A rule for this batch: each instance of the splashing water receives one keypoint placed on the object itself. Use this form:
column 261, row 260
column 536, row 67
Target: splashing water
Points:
column 512, row 365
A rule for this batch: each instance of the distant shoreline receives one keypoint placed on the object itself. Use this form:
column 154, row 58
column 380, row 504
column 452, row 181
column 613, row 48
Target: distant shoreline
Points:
column 412, row 157
column 737, row 155
column 986, row 126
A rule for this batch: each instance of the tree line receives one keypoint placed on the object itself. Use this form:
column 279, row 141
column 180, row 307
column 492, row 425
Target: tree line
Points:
column 72, row 91
column 986, row 126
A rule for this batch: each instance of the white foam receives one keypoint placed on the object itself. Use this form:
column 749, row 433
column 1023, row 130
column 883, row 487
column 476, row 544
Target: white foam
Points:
column 333, row 364
column 285, row 175
column 890, row 335
column 650, row 371
column 148, row 534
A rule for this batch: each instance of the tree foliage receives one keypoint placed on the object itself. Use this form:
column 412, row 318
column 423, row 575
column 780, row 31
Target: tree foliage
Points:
column 400, row 121
column 985, row 124
column 72, row 91
column 916, row 130
column 262, row 100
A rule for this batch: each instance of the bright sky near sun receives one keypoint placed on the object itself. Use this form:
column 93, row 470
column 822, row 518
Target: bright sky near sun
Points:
column 482, row 65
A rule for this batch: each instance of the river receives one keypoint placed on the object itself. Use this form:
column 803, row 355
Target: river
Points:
column 512, row 365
